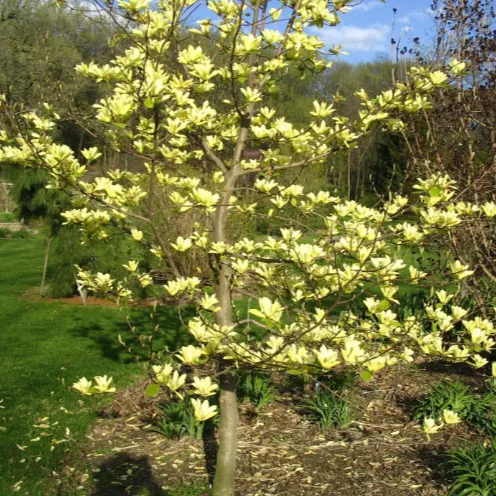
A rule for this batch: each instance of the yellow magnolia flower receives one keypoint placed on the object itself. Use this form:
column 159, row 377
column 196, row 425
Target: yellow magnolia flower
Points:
column 91, row 154
column 376, row 364
column 489, row 209
column 298, row 354
column 162, row 372
column 430, row 426
column 327, row 358
column 438, row 77
column 209, row 302
column 182, row 244
column 131, row 266
column 268, row 309
column 322, row 109
column 203, row 410
column 190, row 355
column 478, row 361
column 457, row 67
column 104, row 384
column 204, row 386
column 458, row 312
column 83, row 386
column 264, row 185
column 450, row 417
column 145, row 280
column 459, row 270
column 443, row 296
column 103, row 282
column 351, row 350
column 176, row 381
column 136, row 234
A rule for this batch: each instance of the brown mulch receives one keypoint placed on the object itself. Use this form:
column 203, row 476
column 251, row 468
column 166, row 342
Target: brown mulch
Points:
column 280, row 452
column 77, row 300
column 33, row 294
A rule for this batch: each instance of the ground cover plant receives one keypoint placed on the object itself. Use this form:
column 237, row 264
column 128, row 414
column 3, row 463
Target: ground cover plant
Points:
column 188, row 103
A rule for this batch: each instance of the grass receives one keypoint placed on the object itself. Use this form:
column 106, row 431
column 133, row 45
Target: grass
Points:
column 45, row 348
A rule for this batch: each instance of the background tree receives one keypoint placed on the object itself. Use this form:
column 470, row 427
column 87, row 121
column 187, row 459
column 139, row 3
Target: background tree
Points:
column 459, row 136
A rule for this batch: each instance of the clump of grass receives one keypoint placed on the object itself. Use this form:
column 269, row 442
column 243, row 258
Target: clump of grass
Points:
column 178, row 421
column 473, row 470
column 327, row 409
column 478, row 410
column 7, row 217
column 445, row 395
column 256, row 389
column 192, row 489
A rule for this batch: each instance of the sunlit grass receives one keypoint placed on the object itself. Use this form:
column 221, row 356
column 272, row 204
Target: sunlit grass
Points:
column 45, row 347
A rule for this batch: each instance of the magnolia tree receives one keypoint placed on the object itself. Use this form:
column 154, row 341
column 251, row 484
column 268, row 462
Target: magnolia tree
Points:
column 163, row 106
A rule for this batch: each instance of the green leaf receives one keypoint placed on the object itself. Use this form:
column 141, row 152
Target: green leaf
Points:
column 366, row 375
column 434, row 192
column 152, row 390
column 149, row 103
column 383, row 305
column 295, row 372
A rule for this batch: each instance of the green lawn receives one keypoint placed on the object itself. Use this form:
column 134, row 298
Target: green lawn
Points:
column 45, row 347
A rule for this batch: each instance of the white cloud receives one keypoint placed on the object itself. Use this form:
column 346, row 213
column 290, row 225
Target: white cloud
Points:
column 419, row 14
column 431, row 12
column 353, row 38
column 365, row 6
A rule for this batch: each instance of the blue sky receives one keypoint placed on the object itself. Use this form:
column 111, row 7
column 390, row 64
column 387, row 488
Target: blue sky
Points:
column 365, row 31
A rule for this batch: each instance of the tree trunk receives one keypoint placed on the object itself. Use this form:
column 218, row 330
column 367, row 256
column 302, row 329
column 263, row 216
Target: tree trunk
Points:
column 45, row 266
column 228, row 437
column 228, row 426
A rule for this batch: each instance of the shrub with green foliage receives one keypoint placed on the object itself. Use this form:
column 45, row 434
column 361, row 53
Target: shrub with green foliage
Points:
column 473, row 470
column 7, row 217
column 67, row 252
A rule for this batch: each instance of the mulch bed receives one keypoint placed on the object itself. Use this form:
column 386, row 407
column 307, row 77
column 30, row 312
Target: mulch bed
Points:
column 280, row 452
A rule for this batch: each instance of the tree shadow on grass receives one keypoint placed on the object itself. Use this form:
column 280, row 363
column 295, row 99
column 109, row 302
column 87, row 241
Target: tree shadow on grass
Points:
column 124, row 475
column 103, row 328
column 128, row 475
